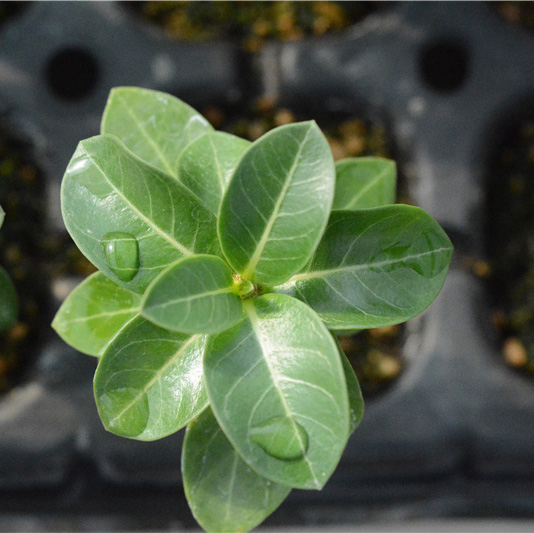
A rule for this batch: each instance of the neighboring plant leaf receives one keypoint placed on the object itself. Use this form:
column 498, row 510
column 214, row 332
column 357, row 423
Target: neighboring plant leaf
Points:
column 108, row 193
column 149, row 381
column 207, row 164
column 196, row 295
column 356, row 403
column 9, row 306
column 363, row 182
column 374, row 268
column 273, row 378
column 277, row 203
column 224, row 493
column 155, row 126
column 94, row 313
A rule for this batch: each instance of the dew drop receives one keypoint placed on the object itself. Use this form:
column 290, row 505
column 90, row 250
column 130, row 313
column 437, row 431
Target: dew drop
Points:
column 281, row 438
column 122, row 254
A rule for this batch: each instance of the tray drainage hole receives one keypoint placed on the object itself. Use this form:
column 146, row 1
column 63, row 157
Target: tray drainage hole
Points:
column 72, row 73
column 444, row 66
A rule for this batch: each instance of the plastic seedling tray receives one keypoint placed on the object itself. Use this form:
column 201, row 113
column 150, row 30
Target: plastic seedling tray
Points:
column 452, row 437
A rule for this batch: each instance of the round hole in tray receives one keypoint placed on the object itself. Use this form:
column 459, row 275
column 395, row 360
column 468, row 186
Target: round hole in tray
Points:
column 510, row 237
column 72, row 73
column 376, row 355
column 11, row 10
column 444, row 65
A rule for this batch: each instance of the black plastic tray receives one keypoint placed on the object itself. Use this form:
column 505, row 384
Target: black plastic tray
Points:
column 453, row 436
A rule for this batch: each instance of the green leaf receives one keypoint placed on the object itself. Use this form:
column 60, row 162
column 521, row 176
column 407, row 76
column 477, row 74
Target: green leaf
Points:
column 196, row 295
column 155, row 126
column 356, row 404
column 9, row 306
column 149, row 381
column 273, row 378
column 277, row 203
column 374, row 267
column 207, row 164
column 224, row 493
column 364, row 182
column 94, row 313
column 110, row 198
column 2, row 215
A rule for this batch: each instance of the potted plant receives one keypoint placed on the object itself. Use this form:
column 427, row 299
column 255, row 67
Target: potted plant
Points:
column 225, row 270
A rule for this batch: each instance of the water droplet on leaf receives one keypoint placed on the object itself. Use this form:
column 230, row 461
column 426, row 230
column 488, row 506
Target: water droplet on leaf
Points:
column 122, row 254
column 281, row 438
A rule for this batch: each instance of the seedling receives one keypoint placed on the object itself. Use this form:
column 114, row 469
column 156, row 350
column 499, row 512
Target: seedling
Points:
column 225, row 266
column 8, row 296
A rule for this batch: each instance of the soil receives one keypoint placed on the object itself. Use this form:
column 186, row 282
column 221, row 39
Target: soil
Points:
column 33, row 256
column 511, row 244
column 376, row 356
column 521, row 13
column 251, row 23
column 21, row 237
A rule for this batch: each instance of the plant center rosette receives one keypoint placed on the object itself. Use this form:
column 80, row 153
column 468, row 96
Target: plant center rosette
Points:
column 225, row 269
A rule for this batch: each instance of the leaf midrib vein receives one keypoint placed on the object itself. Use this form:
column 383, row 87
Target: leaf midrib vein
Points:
column 226, row 290
column 249, row 268
column 368, row 186
column 87, row 318
column 355, row 268
column 217, row 165
column 143, row 217
column 157, row 375
column 254, row 320
column 145, row 134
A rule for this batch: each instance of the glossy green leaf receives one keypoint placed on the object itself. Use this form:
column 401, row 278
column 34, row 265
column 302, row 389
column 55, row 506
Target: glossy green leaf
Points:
column 94, row 313
column 374, row 267
column 277, row 203
column 356, row 403
column 149, row 381
column 207, row 164
column 224, row 493
column 274, row 377
column 196, row 295
column 155, row 126
column 108, row 191
column 2, row 215
column 363, row 182
column 9, row 306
